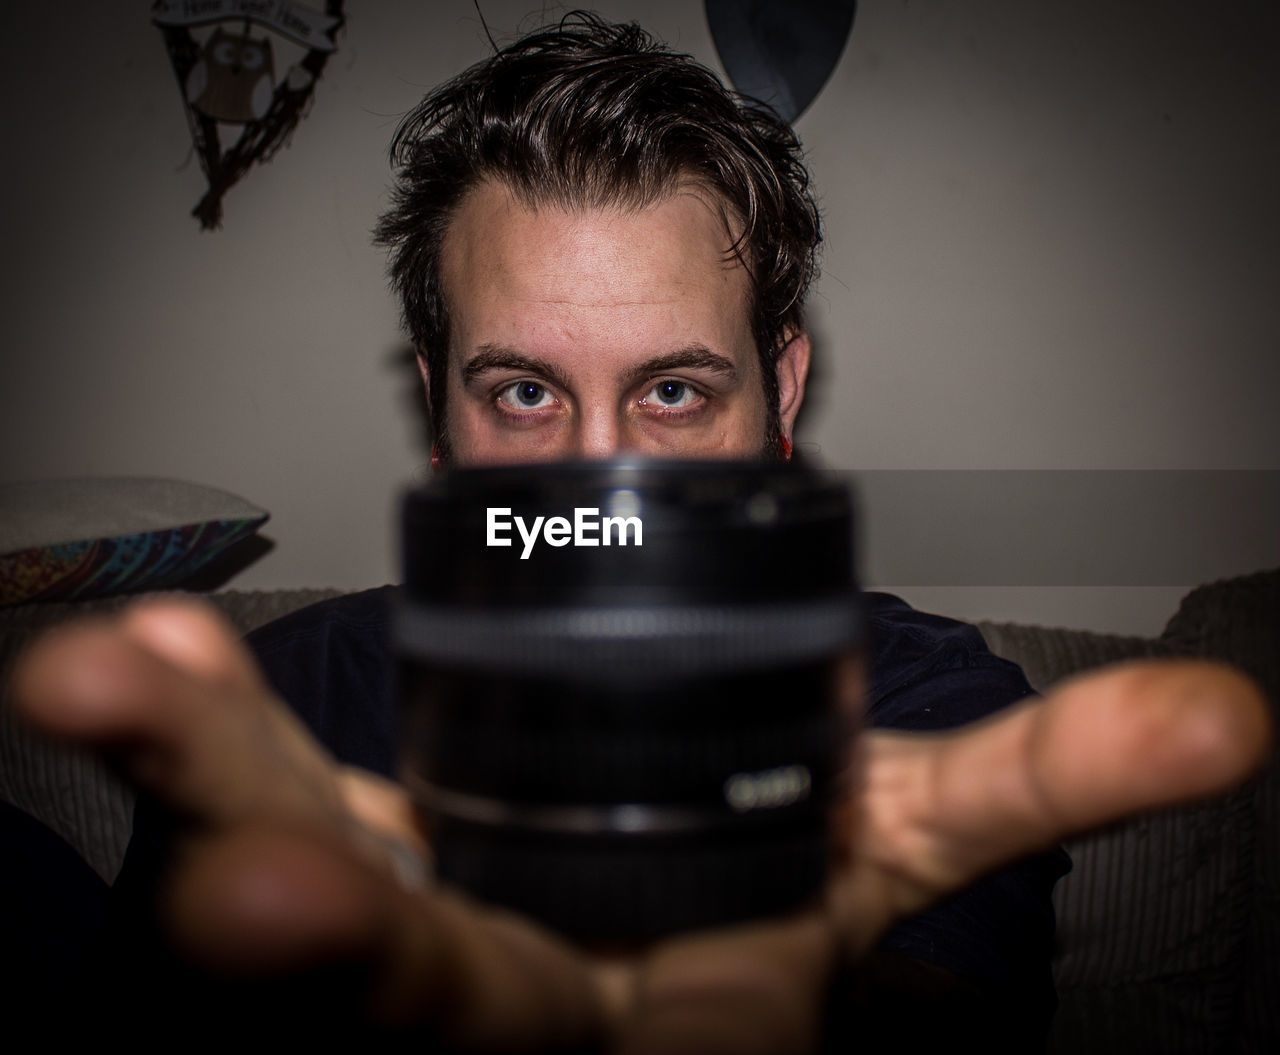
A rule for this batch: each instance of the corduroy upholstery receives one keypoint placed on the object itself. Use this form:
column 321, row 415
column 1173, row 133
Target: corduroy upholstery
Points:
column 1169, row 924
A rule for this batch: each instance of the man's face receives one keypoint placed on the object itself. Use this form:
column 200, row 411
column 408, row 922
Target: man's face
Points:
column 589, row 332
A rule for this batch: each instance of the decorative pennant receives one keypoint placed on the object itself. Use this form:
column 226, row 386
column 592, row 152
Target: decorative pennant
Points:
column 780, row 51
column 229, row 79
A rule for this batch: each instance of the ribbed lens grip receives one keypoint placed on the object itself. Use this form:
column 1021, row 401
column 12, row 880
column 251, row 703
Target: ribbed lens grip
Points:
column 546, row 741
column 627, row 643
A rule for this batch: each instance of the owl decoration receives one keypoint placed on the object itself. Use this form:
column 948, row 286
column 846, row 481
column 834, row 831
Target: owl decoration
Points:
column 228, row 80
column 234, row 78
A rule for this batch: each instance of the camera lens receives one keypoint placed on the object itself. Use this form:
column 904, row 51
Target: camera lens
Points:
column 630, row 687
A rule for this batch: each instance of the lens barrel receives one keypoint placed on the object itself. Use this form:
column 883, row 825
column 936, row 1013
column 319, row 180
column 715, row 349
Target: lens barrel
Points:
column 629, row 687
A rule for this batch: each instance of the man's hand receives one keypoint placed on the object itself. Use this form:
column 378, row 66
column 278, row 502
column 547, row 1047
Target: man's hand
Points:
column 940, row 810
column 286, row 865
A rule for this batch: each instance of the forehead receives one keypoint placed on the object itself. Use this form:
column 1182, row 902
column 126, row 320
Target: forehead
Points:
column 506, row 263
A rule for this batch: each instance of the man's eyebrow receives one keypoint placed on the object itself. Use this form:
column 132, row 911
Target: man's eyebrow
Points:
column 694, row 357
column 496, row 357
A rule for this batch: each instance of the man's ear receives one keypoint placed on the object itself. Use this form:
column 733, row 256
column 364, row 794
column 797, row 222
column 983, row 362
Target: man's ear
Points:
column 426, row 374
column 435, row 431
column 793, row 368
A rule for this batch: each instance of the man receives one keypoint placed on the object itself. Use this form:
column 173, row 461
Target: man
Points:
column 586, row 182
column 599, row 251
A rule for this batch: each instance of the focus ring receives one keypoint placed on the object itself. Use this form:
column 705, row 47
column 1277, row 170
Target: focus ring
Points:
column 623, row 642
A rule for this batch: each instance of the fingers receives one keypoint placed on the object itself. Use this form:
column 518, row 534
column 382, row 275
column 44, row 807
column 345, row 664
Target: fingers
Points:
column 1159, row 733
column 110, row 677
column 381, row 805
column 385, row 824
column 194, row 638
column 941, row 811
column 172, row 695
column 1103, row 746
column 268, row 904
column 261, row 905
column 755, row 990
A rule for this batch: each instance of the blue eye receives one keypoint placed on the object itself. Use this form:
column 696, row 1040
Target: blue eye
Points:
column 526, row 395
column 672, row 394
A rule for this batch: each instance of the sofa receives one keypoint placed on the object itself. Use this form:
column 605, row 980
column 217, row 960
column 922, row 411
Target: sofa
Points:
column 1168, row 925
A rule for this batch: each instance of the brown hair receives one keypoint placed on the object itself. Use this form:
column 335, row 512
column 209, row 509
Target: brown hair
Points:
column 588, row 112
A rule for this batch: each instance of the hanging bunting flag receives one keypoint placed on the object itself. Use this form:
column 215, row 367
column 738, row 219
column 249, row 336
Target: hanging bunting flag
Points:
column 780, row 51
column 229, row 79
column 311, row 29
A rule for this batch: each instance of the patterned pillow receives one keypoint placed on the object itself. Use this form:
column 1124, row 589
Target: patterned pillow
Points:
column 70, row 540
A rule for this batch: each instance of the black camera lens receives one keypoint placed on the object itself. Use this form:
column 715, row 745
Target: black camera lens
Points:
column 630, row 687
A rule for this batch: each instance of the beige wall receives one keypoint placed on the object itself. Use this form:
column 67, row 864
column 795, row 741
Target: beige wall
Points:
column 1052, row 244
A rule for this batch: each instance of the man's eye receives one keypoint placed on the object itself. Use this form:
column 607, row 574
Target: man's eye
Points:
column 671, row 394
column 526, row 395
